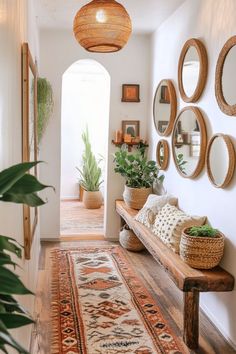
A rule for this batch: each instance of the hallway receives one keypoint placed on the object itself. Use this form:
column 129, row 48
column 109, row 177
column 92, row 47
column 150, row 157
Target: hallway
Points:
column 76, row 220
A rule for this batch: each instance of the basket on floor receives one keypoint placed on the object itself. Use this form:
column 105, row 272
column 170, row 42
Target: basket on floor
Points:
column 201, row 252
column 129, row 240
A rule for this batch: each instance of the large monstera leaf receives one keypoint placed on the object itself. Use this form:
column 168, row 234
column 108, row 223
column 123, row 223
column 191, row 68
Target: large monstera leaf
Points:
column 16, row 186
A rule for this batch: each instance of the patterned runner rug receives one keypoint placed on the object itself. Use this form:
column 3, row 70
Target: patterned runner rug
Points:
column 100, row 306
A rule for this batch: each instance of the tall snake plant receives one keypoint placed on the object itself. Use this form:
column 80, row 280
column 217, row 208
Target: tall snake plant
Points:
column 90, row 173
column 16, row 186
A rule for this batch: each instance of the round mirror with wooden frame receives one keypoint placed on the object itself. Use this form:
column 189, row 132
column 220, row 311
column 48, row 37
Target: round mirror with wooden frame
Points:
column 164, row 107
column 225, row 83
column 192, row 70
column 189, row 141
column 162, row 154
column 220, row 160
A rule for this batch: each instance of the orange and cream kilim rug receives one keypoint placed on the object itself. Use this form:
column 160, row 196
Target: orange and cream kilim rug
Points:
column 100, row 306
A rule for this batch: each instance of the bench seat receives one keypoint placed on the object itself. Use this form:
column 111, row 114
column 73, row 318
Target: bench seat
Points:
column 190, row 281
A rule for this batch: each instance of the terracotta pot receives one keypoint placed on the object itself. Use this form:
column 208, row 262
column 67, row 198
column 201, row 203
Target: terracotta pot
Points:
column 135, row 198
column 92, row 200
column 201, row 252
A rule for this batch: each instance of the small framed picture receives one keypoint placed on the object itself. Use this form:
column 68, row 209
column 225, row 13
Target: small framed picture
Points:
column 130, row 93
column 162, row 125
column 131, row 127
column 165, row 95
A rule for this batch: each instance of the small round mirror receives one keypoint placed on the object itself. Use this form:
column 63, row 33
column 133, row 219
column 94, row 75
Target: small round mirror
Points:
column 225, row 86
column 220, row 160
column 192, row 70
column 162, row 154
column 189, row 142
column 164, row 107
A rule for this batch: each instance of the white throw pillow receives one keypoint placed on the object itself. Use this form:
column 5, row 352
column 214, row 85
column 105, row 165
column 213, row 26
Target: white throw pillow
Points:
column 170, row 222
column 151, row 208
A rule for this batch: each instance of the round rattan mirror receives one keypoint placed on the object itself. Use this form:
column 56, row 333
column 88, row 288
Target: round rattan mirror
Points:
column 164, row 107
column 220, row 160
column 162, row 154
column 189, row 140
column 192, row 70
column 225, row 84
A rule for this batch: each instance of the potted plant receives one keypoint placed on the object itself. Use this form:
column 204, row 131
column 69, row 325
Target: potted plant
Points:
column 90, row 176
column 202, row 247
column 44, row 105
column 16, row 186
column 139, row 174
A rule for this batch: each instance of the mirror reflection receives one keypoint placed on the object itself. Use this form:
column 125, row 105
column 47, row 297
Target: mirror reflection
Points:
column 219, row 160
column 187, row 142
column 228, row 83
column 162, row 154
column 164, row 108
column 191, row 71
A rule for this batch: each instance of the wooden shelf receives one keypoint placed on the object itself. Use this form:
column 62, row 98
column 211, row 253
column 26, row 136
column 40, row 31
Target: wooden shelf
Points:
column 130, row 145
column 181, row 144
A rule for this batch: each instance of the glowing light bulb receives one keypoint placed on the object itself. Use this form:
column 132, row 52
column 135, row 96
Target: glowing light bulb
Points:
column 101, row 16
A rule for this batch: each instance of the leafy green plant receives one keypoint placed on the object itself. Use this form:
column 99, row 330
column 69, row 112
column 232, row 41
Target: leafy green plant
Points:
column 181, row 162
column 90, row 173
column 202, row 231
column 16, row 186
column 45, row 105
column 135, row 168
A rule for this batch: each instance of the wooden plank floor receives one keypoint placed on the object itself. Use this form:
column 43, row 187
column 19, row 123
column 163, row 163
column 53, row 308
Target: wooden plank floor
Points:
column 168, row 297
column 77, row 220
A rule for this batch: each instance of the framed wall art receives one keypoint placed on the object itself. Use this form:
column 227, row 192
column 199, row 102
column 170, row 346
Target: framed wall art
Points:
column 29, row 137
column 131, row 127
column 130, row 93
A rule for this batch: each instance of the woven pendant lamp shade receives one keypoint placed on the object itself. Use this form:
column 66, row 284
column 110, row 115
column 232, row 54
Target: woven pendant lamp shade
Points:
column 102, row 26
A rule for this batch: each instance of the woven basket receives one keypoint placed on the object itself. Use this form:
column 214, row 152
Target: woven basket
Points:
column 130, row 241
column 135, row 198
column 201, row 252
column 92, row 200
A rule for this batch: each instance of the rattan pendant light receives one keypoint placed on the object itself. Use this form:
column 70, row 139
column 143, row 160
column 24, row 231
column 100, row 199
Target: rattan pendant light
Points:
column 102, row 26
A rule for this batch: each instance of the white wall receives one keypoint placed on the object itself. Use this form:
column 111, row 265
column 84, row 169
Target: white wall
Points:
column 212, row 21
column 14, row 30
column 84, row 82
column 59, row 50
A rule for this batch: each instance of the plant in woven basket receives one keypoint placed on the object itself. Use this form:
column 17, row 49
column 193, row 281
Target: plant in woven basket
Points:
column 90, row 175
column 202, row 231
column 45, row 105
column 139, row 174
column 16, row 186
column 201, row 247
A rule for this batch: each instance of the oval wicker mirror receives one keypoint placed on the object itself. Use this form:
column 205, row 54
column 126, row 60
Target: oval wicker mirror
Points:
column 225, row 84
column 189, row 140
column 192, row 70
column 162, row 154
column 164, row 107
column 220, row 160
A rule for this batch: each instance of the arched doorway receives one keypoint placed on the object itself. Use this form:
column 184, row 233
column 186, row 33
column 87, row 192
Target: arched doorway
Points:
column 85, row 103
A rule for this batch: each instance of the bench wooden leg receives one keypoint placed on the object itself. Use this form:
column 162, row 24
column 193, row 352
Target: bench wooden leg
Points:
column 191, row 319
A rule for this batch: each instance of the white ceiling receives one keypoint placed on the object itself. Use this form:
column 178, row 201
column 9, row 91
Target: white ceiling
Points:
column 146, row 15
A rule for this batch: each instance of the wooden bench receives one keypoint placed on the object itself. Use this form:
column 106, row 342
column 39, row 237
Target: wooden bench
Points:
column 190, row 281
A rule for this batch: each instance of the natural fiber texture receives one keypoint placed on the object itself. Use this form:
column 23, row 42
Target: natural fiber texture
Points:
column 130, row 241
column 102, row 26
column 92, row 200
column 136, row 197
column 201, row 252
column 100, row 306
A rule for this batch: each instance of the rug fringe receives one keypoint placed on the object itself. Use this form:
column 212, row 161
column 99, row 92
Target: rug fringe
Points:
column 55, row 306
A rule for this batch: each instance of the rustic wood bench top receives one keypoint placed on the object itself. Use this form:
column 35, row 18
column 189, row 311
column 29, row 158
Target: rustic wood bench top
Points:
column 185, row 277
column 190, row 281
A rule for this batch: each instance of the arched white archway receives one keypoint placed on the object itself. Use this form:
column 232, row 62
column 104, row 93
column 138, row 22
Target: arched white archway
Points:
column 85, row 102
